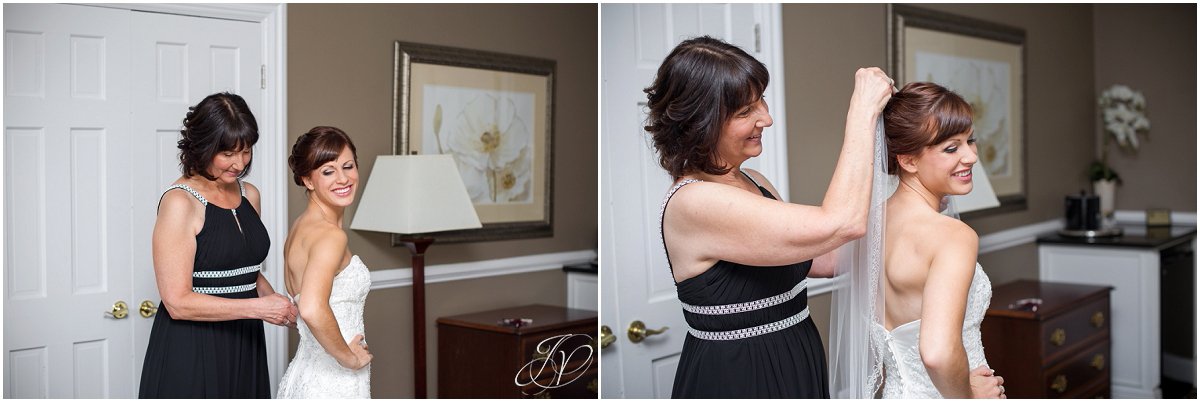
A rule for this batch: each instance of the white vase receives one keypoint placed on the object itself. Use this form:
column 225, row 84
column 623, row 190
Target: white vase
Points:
column 1105, row 189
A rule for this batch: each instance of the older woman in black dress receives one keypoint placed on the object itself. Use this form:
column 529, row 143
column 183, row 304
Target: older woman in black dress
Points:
column 740, row 257
column 209, row 244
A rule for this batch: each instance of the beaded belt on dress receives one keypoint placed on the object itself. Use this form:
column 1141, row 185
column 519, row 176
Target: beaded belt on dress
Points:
column 750, row 306
column 210, row 290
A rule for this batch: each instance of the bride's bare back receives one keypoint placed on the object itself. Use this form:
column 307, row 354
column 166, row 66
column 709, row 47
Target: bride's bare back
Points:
column 305, row 231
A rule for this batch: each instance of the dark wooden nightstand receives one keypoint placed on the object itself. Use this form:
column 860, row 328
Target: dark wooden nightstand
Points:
column 1061, row 350
column 479, row 358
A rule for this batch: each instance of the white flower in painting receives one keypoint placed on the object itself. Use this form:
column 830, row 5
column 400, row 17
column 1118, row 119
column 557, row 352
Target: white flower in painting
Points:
column 512, row 182
column 475, row 179
column 488, row 133
column 491, row 143
column 984, row 88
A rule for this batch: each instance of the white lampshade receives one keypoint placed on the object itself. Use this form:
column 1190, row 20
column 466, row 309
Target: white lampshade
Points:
column 410, row 194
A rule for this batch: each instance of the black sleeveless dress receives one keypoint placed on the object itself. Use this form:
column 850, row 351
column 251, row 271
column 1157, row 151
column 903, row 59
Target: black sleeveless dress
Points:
column 750, row 335
column 214, row 359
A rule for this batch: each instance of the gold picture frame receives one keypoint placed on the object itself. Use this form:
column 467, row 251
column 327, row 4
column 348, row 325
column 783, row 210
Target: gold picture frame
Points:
column 494, row 113
column 985, row 63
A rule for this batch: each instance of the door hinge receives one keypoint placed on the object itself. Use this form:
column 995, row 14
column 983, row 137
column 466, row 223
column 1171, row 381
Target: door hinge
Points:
column 757, row 39
column 263, row 73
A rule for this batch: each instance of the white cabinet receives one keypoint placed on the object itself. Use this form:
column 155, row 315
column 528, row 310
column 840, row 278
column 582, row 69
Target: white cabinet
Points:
column 1133, row 274
column 1131, row 265
column 582, row 287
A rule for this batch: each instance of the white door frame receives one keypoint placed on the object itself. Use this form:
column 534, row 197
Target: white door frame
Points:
column 272, row 149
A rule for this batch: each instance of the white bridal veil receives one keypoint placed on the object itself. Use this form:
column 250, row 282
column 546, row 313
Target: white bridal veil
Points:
column 855, row 342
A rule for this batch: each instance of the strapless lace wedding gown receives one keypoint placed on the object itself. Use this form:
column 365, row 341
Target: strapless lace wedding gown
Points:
column 314, row 373
column 905, row 374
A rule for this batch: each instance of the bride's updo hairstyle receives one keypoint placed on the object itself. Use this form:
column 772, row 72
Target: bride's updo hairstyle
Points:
column 698, row 87
column 920, row 115
column 315, row 148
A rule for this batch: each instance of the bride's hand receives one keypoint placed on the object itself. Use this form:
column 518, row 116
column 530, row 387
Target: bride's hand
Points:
column 986, row 385
column 359, row 356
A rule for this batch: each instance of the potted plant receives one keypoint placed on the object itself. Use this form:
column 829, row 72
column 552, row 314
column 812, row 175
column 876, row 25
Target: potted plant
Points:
column 1124, row 113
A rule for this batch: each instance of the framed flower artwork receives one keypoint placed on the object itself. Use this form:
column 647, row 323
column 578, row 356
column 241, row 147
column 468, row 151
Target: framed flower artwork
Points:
column 984, row 62
column 495, row 114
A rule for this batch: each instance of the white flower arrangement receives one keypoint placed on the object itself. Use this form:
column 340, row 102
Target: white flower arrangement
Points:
column 1124, row 112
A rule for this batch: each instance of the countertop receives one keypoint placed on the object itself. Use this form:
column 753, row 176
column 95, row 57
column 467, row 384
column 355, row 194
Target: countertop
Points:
column 1134, row 236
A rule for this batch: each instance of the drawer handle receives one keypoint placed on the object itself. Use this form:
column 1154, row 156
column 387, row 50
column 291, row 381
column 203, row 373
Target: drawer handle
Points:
column 1058, row 337
column 1098, row 361
column 1059, row 384
column 1098, row 319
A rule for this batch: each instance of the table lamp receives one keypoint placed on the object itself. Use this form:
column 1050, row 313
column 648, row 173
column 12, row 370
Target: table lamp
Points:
column 414, row 196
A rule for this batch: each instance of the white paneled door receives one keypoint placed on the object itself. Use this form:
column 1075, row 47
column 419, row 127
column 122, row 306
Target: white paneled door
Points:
column 637, row 283
column 94, row 98
column 179, row 60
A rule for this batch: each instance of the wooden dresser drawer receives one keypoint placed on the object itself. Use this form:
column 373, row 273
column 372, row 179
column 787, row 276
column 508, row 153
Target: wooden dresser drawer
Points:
column 1049, row 351
column 479, row 357
column 566, row 340
column 585, row 386
column 1078, row 373
column 1068, row 332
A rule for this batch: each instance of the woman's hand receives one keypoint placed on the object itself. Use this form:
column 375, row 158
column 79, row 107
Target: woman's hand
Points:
column 277, row 309
column 359, row 356
column 986, row 385
column 872, row 90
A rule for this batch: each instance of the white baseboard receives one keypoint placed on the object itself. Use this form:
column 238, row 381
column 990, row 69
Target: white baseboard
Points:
column 1179, row 368
column 1182, row 218
column 399, row 277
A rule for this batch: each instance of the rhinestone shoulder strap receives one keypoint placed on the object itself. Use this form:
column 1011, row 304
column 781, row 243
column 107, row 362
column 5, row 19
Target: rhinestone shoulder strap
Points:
column 662, row 210
column 190, row 190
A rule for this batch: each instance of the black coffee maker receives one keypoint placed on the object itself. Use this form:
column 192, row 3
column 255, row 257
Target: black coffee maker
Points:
column 1082, row 213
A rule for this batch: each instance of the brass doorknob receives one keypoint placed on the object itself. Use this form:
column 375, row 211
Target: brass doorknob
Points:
column 606, row 336
column 119, row 310
column 638, row 332
column 147, row 309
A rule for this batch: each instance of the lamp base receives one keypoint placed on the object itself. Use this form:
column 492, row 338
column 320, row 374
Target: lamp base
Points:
column 418, row 245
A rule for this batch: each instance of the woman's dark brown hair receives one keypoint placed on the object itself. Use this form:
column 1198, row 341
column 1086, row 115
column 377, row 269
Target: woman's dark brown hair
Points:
column 317, row 147
column 220, row 122
column 699, row 86
column 920, row 115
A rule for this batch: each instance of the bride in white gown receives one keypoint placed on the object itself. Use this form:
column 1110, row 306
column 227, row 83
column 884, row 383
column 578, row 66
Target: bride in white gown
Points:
column 329, row 283
column 910, row 314
column 935, row 293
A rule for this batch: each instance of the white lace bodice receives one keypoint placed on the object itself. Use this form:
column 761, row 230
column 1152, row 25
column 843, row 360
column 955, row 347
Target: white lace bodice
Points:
column 906, row 376
column 313, row 373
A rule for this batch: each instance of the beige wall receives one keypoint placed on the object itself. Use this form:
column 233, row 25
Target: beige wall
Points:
column 1152, row 48
column 339, row 74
